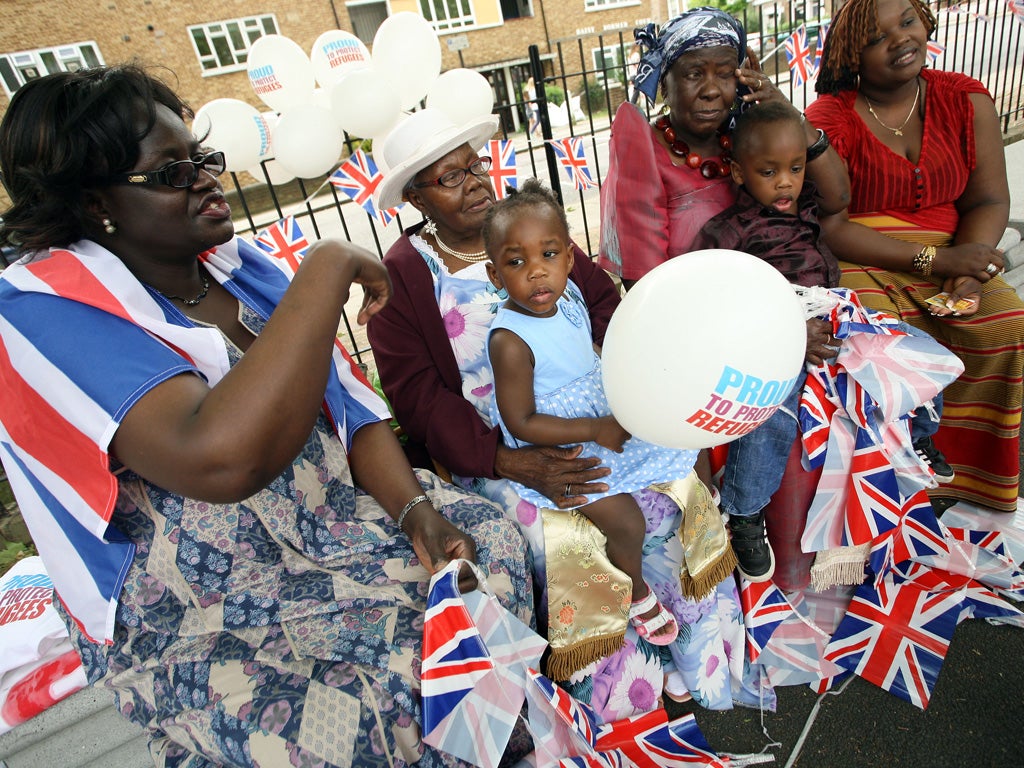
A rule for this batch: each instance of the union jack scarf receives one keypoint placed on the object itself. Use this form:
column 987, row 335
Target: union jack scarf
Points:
column 81, row 340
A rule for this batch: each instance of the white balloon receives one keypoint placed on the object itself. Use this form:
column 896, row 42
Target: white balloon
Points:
column 270, row 121
column 280, row 72
column 703, row 349
column 277, row 173
column 364, row 103
column 462, row 94
column 308, row 141
column 406, row 50
column 334, row 53
column 235, row 128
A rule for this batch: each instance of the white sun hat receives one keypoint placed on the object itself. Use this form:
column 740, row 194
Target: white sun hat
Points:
column 421, row 139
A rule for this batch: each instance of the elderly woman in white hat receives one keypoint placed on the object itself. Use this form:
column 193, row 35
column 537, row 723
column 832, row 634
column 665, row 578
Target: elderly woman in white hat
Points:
column 429, row 344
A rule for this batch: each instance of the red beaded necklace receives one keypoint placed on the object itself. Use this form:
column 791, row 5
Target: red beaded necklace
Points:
column 711, row 168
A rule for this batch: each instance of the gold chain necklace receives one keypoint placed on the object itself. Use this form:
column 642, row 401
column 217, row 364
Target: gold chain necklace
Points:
column 913, row 107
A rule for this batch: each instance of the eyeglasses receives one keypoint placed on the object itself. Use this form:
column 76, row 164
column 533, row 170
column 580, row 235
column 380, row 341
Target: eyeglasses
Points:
column 181, row 174
column 456, row 176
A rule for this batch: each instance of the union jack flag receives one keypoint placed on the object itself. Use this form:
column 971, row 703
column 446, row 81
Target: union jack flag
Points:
column 1016, row 7
column 819, row 48
column 359, row 178
column 474, row 672
column 934, row 50
column 503, row 166
column 570, row 154
column 764, row 609
column 650, row 739
column 896, row 636
column 798, row 54
column 284, row 241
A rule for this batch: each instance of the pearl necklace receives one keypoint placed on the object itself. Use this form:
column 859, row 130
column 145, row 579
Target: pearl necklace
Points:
column 430, row 228
column 910, row 114
column 709, row 168
column 190, row 302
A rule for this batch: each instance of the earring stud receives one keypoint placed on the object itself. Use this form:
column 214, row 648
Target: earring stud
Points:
column 108, row 226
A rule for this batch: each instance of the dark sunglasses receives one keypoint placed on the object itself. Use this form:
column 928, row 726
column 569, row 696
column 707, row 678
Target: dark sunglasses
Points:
column 181, row 174
column 455, row 177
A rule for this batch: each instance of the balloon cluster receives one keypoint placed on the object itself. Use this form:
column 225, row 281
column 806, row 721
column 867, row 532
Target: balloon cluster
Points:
column 340, row 87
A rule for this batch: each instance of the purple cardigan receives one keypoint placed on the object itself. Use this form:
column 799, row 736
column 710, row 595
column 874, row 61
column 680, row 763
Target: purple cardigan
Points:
column 418, row 370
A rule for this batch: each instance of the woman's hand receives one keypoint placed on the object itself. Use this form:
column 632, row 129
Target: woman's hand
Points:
column 561, row 474
column 610, row 434
column 436, row 542
column 963, row 300
column 974, row 260
column 760, row 85
column 821, row 344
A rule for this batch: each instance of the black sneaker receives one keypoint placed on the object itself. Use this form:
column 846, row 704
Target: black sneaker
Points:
column 750, row 543
column 933, row 457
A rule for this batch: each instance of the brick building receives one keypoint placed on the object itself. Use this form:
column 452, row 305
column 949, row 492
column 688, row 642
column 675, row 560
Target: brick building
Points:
column 205, row 45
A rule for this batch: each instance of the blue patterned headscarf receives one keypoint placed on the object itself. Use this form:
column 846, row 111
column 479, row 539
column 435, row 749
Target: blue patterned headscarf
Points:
column 696, row 28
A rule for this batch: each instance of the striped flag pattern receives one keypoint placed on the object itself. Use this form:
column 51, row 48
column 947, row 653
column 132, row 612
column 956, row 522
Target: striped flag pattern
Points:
column 358, row 177
column 284, row 242
column 570, row 154
column 798, row 56
column 503, row 166
column 764, row 609
column 62, row 311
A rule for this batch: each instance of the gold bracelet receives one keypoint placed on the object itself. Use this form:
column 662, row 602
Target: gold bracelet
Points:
column 923, row 261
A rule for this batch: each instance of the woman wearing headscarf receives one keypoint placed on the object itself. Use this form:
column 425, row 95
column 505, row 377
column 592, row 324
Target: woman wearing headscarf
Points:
column 669, row 176
column 429, row 347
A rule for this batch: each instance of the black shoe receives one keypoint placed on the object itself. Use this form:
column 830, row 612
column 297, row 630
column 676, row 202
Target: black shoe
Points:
column 750, row 543
column 933, row 457
column 941, row 503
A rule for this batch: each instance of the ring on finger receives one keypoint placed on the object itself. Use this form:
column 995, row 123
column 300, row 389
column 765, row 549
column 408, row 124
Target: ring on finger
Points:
column 831, row 348
column 568, row 490
column 992, row 268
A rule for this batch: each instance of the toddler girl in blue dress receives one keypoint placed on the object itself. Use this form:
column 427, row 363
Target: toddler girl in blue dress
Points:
column 548, row 388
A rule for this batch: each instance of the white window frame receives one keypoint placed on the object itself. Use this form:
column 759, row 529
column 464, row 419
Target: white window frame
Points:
column 617, row 52
column 675, row 7
column 66, row 58
column 251, row 29
column 436, row 12
column 603, row 5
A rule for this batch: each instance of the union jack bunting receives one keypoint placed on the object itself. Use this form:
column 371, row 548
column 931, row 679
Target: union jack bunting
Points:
column 650, row 739
column 503, row 166
column 474, row 672
column 359, row 178
column 896, row 636
column 570, row 154
column 764, row 609
column 284, row 242
column 934, row 50
column 798, row 55
column 819, row 47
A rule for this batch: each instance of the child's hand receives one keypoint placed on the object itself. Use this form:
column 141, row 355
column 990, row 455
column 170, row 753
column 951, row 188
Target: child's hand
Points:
column 610, row 434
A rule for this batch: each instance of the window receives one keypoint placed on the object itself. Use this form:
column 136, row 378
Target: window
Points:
column 516, row 9
column 675, row 7
column 223, row 46
column 608, row 62
column 16, row 69
column 448, row 14
column 366, row 18
column 598, row 5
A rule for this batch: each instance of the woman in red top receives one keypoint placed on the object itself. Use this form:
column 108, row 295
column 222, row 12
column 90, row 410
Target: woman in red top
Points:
column 929, row 202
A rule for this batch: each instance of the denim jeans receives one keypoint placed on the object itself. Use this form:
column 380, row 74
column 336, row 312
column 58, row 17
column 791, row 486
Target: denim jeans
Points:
column 757, row 461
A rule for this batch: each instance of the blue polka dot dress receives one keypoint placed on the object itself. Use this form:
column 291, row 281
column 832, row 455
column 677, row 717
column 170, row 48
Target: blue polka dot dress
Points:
column 567, row 383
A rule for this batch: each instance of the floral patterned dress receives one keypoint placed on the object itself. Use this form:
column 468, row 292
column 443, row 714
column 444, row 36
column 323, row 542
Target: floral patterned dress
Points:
column 284, row 629
column 708, row 658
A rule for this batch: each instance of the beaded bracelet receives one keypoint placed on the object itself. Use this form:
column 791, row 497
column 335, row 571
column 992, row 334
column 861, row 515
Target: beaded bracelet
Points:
column 923, row 261
column 408, row 508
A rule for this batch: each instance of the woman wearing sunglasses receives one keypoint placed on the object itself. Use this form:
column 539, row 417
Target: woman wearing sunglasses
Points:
column 240, row 547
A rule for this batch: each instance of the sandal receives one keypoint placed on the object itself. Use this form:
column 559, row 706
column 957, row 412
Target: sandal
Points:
column 646, row 628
